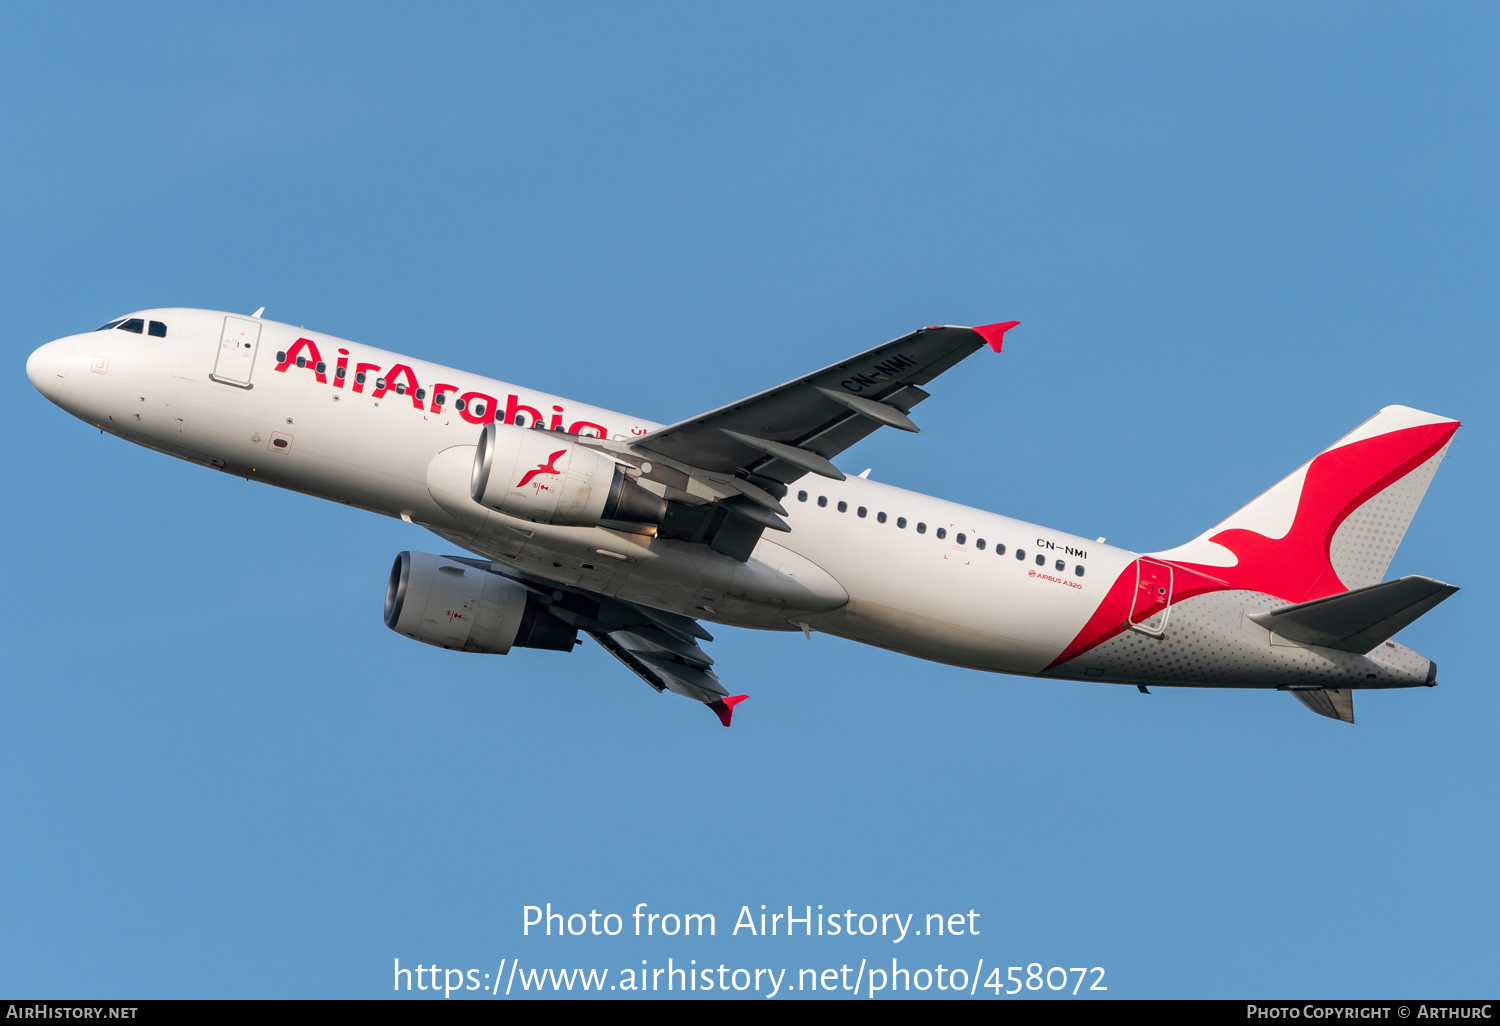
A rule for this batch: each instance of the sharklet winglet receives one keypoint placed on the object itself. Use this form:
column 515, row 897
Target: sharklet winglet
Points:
column 994, row 334
column 724, row 707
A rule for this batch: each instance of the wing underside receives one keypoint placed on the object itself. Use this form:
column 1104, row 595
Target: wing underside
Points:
column 659, row 647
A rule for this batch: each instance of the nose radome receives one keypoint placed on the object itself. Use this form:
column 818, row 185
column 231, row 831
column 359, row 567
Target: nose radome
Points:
column 47, row 367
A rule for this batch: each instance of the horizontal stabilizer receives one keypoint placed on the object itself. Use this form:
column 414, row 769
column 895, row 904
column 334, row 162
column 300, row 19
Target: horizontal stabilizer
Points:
column 1335, row 703
column 1356, row 621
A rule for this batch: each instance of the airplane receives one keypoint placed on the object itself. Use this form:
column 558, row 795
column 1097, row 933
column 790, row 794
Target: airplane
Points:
column 582, row 520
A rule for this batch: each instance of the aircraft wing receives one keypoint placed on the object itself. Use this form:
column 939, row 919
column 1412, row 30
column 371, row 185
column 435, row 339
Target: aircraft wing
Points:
column 670, row 663
column 796, row 428
column 659, row 647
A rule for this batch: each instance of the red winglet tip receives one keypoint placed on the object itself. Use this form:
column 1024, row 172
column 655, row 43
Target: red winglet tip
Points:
column 724, row 707
column 994, row 334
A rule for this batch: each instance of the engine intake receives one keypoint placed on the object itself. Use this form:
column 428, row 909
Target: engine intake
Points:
column 445, row 603
column 551, row 479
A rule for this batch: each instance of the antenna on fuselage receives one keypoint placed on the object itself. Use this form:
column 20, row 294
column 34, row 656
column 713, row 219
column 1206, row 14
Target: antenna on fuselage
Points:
column 258, row 312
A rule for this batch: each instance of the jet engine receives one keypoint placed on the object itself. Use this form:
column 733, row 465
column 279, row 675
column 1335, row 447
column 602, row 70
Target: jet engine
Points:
column 551, row 479
column 447, row 603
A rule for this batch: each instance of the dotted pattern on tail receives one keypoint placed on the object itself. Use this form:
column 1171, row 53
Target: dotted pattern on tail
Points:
column 1210, row 641
column 1364, row 544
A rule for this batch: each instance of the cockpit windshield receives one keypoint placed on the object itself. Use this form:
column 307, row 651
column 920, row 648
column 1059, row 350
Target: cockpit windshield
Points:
column 158, row 329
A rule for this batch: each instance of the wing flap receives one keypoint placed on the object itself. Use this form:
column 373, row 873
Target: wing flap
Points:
column 1356, row 621
column 664, row 667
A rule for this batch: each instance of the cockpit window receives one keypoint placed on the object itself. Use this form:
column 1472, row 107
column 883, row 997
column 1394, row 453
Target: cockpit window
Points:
column 112, row 324
column 158, row 329
column 135, row 324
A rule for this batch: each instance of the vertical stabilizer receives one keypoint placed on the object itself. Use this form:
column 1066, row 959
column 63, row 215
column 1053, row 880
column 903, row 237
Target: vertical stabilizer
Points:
column 1363, row 545
column 1335, row 522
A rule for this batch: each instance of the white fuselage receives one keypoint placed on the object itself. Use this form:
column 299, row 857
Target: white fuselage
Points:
column 864, row 560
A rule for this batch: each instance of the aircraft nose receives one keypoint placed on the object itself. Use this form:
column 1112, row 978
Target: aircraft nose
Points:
column 47, row 367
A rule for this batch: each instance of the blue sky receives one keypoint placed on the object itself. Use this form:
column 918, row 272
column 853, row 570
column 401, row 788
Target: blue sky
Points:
column 1230, row 234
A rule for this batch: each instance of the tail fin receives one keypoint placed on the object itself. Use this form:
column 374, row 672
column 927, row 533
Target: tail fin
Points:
column 1334, row 523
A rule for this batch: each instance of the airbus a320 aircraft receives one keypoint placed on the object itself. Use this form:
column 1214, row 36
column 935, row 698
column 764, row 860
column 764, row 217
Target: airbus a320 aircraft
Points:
column 587, row 520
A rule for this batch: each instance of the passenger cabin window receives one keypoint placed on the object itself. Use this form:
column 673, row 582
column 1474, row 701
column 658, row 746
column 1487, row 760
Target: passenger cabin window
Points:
column 959, row 539
column 1041, row 560
column 942, row 532
column 843, row 506
column 999, row 548
column 1059, row 566
column 862, row 511
column 158, row 329
column 921, row 528
column 822, row 500
column 1020, row 553
column 112, row 324
column 1078, row 570
column 880, row 517
column 979, row 544
column 901, row 522
column 801, row 496
column 135, row 324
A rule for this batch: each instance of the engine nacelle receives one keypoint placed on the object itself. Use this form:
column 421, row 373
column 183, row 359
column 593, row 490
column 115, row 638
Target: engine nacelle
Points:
column 442, row 602
column 550, row 479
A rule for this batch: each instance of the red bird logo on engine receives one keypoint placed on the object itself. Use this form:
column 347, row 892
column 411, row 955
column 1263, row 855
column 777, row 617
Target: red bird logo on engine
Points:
column 550, row 467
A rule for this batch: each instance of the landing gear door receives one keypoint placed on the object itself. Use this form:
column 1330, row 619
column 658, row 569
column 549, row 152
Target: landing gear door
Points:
column 1151, row 602
column 237, row 347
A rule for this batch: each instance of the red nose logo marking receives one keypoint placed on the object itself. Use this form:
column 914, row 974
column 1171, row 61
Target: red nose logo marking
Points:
column 542, row 468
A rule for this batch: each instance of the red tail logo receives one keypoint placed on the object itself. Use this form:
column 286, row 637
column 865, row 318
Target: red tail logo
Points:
column 550, row 467
column 1296, row 567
